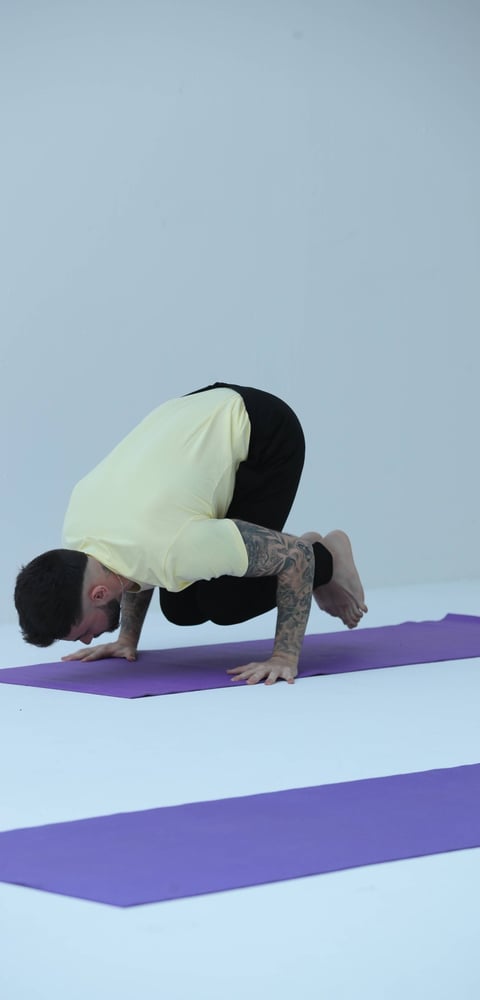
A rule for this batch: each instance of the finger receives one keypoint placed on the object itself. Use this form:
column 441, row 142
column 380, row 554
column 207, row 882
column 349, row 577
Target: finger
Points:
column 97, row 653
column 83, row 657
column 251, row 674
column 247, row 667
column 257, row 675
column 246, row 675
column 76, row 656
column 272, row 677
column 281, row 675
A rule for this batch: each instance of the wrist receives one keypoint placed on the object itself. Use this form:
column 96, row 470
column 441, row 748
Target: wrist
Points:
column 287, row 657
column 126, row 635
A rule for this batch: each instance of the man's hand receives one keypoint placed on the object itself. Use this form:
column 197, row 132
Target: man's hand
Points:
column 122, row 647
column 278, row 667
column 134, row 609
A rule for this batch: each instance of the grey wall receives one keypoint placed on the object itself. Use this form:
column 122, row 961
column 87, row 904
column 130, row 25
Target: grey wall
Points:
column 281, row 193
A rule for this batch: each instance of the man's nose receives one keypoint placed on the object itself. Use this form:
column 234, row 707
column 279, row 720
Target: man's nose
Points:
column 86, row 642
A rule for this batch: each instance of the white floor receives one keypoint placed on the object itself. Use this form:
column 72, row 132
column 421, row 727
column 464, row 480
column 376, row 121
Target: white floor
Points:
column 386, row 932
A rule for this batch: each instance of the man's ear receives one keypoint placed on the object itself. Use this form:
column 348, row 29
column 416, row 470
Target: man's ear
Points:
column 99, row 594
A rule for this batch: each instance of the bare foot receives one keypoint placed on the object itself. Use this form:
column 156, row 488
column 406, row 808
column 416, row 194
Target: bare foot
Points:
column 343, row 596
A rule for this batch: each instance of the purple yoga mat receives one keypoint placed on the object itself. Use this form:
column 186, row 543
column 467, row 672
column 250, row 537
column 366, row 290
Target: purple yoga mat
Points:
column 188, row 850
column 195, row 668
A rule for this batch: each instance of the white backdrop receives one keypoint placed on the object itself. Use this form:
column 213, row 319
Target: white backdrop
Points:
column 283, row 193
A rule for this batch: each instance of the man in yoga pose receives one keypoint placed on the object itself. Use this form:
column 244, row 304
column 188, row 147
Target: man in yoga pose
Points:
column 192, row 501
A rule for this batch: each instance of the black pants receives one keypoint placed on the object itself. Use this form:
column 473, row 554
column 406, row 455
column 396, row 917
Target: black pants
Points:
column 265, row 488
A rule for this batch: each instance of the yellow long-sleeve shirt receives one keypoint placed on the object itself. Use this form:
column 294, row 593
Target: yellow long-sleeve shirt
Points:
column 154, row 509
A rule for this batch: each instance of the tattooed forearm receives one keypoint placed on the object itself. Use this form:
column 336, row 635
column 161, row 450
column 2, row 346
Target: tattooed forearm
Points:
column 294, row 598
column 134, row 609
column 291, row 560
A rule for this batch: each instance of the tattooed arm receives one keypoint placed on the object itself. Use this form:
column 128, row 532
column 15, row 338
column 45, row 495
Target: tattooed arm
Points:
column 133, row 610
column 291, row 560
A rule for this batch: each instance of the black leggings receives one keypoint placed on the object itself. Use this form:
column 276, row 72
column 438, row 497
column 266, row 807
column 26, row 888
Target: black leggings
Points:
column 265, row 488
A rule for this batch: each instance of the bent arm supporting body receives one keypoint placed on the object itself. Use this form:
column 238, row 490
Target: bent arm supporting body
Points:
column 134, row 608
column 291, row 560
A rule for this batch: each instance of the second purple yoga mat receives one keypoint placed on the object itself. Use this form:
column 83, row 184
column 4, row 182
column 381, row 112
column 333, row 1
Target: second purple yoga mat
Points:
column 195, row 668
column 202, row 847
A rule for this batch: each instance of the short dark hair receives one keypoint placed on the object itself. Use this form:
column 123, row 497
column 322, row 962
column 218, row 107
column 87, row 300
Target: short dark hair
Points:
column 48, row 595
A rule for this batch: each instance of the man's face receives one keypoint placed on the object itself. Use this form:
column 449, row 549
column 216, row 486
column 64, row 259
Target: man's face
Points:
column 95, row 622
